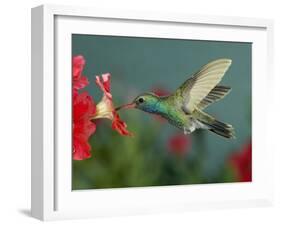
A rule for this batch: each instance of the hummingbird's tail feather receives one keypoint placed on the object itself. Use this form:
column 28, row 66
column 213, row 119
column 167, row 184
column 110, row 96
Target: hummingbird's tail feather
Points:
column 222, row 129
column 215, row 126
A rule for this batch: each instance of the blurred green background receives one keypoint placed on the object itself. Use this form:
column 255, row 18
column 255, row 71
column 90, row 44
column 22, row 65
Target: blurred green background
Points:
column 158, row 154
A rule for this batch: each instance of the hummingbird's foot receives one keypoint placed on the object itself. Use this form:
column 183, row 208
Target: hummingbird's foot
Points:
column 186, row 131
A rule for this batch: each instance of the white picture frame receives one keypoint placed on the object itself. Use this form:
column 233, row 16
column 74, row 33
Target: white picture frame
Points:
column 52, row 197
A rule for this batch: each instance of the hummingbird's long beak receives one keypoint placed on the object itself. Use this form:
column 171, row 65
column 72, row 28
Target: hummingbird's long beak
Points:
column 126, row 106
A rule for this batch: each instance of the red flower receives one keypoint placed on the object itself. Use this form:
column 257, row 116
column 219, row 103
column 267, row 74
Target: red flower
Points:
column 179, row 144
column 78, row 80
column 242, row 163
column 106, row 109
column 85, row 110
column 83, row 128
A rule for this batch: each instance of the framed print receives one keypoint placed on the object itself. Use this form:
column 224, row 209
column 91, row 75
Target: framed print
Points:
column 140, row 112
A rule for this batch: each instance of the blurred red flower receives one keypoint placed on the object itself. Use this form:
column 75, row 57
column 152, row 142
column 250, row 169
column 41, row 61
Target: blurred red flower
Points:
column 160, row 91
column 179, row 144
column 242, row 163
column 85, row 110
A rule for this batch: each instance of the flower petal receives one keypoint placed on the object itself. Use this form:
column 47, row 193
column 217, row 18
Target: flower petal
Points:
column 120, row 126
column 106, row 81
column 83, row 106
column 104, row 84
column 83, row 109
column 78, row 63
column 80, row 83
column 81, row 134
column 81, row 150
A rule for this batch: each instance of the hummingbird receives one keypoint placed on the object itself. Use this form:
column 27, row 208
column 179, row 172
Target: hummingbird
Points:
column 184, row 108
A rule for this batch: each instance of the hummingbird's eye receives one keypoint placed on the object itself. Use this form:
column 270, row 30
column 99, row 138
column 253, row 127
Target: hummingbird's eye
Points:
column 141, row 100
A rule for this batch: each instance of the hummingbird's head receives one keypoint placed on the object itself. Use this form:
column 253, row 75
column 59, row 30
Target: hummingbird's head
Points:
column 145, row 102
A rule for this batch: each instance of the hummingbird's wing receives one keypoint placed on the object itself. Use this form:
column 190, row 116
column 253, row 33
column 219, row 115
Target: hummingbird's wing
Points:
column 196, row 88
column 215, row 95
